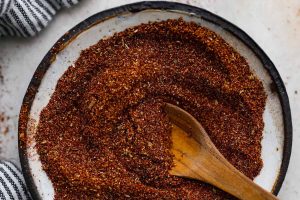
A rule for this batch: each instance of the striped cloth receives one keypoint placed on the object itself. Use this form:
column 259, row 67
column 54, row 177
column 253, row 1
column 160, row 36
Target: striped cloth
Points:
column 12, row 184
column 28, row 17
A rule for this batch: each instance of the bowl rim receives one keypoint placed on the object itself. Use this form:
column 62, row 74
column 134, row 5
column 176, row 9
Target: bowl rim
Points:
column 138, row 7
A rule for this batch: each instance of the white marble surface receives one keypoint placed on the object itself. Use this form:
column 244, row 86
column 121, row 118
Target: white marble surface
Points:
column 273, row 24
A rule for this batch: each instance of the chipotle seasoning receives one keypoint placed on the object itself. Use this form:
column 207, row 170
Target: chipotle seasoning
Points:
column 104, row 134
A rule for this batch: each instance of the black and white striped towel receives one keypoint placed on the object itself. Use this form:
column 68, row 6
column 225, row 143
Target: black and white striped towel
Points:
column 28, row 17
column 12, row 184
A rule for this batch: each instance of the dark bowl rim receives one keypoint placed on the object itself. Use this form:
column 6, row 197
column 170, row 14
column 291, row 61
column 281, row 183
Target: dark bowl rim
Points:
column 133, row 8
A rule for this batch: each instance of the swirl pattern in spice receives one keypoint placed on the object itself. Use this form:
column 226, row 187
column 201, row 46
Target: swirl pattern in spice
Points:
column 104, row 134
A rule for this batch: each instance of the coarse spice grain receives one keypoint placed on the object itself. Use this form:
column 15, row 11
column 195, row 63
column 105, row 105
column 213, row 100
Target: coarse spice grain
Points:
column 104, row 134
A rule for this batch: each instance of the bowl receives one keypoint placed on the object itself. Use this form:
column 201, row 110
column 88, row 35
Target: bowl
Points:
column 277, row 134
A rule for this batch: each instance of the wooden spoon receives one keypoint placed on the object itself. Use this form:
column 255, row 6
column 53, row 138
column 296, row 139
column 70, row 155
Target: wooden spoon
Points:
column 196, row 157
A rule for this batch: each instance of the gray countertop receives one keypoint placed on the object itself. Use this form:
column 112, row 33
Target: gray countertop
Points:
column 273, row 24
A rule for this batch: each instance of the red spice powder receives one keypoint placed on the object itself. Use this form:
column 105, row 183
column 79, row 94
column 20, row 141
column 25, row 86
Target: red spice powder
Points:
column 104, row 134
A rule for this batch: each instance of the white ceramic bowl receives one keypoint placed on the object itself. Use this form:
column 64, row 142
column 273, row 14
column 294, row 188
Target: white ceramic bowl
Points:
column 277, row 134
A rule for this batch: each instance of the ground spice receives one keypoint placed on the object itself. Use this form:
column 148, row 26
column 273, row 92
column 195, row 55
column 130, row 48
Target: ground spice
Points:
column 104, row 134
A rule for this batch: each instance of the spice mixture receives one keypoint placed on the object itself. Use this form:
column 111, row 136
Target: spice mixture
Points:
column 104, row 134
